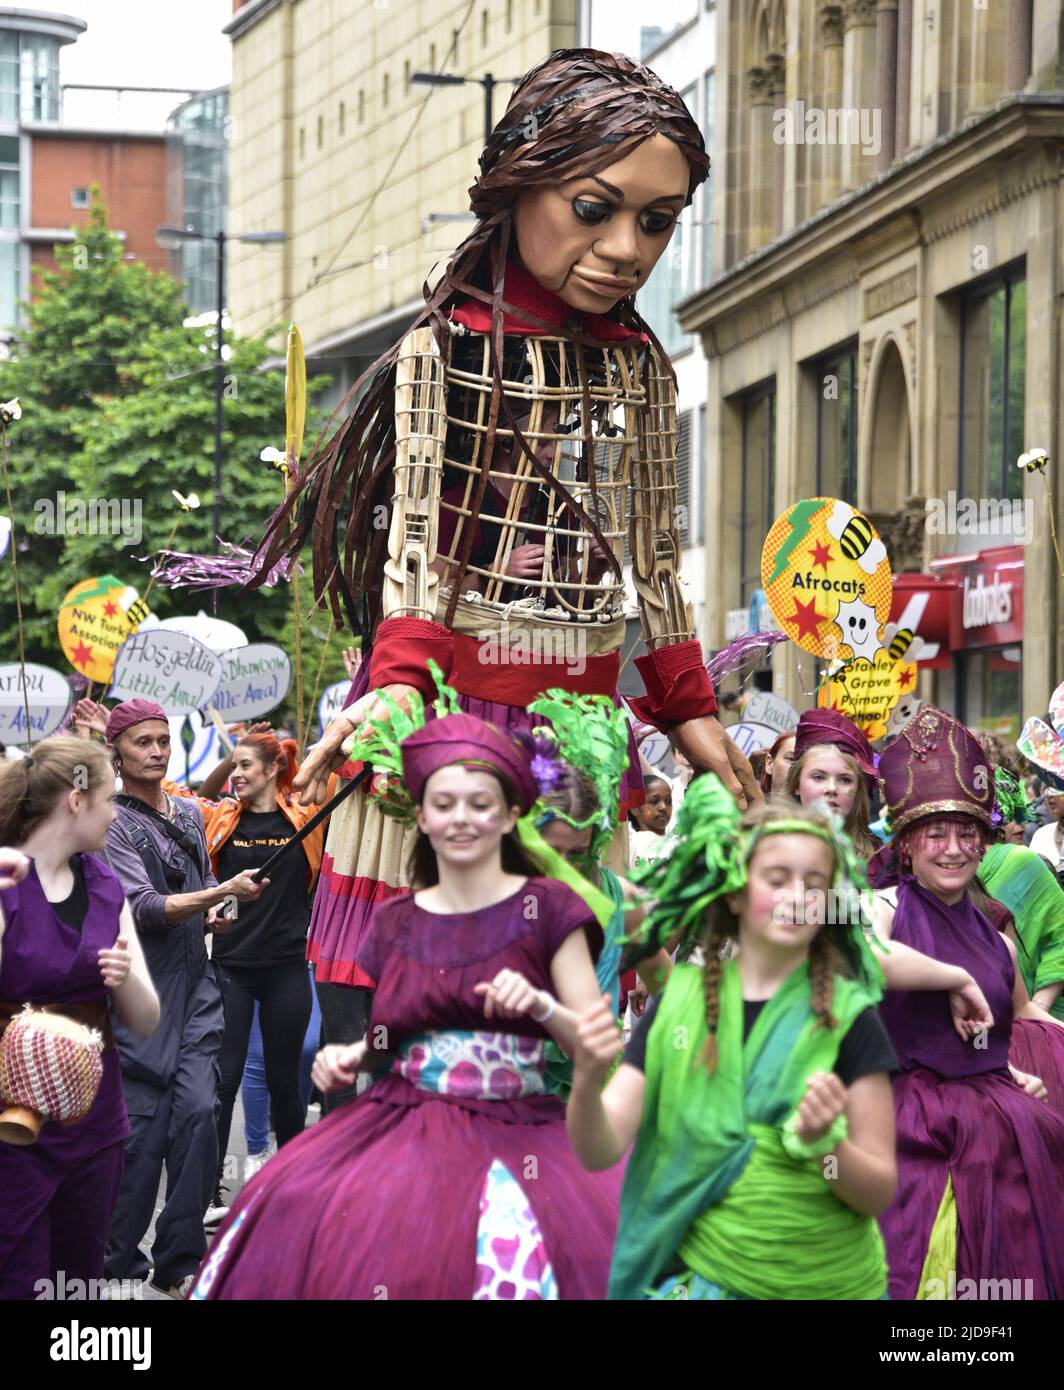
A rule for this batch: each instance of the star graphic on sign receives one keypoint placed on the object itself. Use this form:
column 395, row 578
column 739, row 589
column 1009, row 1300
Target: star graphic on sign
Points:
column 110, row 609
column 807, row 618
column 81, row 655
column 905, row 679
column 821, row 555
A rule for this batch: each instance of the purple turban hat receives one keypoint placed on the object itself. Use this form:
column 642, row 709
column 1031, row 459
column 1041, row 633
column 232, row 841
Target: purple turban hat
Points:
column 935, row 767
column 828, row 726
column 462, row 738
column 131, row 712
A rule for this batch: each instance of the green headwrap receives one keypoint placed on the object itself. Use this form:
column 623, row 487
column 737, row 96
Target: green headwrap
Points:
column 710, row 860
column 1009, row 797
column 591, row 734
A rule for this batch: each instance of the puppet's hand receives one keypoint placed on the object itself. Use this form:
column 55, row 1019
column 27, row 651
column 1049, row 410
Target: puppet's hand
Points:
column 706, row 745
column 312, row 779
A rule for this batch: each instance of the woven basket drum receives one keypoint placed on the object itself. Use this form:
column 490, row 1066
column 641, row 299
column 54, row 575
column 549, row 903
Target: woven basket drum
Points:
column 50, row 1069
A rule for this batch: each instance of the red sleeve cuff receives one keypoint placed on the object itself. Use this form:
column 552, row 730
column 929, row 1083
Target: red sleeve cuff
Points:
column 678, row 686
column 401, row 650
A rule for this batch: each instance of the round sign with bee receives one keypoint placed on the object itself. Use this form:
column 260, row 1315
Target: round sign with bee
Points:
column 879, row 695
column 828, row 581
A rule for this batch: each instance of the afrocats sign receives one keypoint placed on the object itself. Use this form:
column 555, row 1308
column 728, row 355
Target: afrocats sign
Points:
column 95, row 618
column 828, row 582
column 47, row 693
column 170, row 668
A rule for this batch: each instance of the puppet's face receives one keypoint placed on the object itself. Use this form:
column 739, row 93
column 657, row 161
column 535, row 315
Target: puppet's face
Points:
column 594, row 240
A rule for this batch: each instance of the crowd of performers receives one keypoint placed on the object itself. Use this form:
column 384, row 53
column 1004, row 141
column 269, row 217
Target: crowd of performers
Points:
column 841, row 1070
column 848, row 1081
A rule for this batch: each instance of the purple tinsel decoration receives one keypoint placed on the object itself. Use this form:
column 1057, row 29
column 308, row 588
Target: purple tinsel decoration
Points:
column 546, row 771
column 175, row 569
column 741, row 656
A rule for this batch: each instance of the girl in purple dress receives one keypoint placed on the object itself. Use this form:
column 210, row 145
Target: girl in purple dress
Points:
column 980, row 1156
column 68, row 944
column 452, row 1176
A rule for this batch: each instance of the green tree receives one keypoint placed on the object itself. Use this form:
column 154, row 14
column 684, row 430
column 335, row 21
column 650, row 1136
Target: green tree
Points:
column 117, row 394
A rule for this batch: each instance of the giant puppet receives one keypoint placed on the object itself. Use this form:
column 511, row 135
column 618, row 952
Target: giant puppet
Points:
column 476, row 505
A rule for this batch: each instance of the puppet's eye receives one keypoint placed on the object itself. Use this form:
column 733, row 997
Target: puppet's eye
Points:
column 655, row 223
column 589, row 211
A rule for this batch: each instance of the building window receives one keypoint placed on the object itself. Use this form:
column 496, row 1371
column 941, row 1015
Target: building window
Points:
column 483, row 28
column 9, row 181
column 343, row 117
column 384, row 90
column 836, row 425
column 698, row 487
column 321, row 131
column 709, row 101
column 39, row 71
column 757, row 498
column 990, row 437
column 361, row 107
column 406, row 75
column 432, row 57
column 683, row 476
column 302, row 141
column 9, row 283
column 79, row 198
column 509, row 15
column 672, row 279
column 9, row 80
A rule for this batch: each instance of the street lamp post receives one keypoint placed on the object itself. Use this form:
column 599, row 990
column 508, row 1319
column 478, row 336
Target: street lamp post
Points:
column 168, row 238
column 446, row 79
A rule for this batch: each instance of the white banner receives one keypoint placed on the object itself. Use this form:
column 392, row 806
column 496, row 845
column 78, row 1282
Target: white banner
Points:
column 49, row 699
column 170, row 668
column 762, row 707
column 332, row 702
column 255, row 679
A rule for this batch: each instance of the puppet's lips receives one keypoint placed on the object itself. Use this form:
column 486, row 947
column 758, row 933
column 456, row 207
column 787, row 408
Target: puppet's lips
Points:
column 604, row 284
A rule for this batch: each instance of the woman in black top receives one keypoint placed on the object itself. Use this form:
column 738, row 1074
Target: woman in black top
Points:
column 262, row 956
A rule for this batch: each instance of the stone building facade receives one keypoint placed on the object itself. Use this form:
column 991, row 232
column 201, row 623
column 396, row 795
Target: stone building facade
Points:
column 882, row 323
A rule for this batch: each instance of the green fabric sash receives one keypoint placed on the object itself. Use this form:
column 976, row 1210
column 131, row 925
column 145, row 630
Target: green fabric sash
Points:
column 708, row 1177
column 1020, row 878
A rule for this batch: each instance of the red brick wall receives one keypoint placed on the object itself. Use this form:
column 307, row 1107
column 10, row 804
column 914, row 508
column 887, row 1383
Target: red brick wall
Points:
column 132, row 179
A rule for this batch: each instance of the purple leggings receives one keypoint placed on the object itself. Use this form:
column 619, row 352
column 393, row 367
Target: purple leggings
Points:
column 66, row 1242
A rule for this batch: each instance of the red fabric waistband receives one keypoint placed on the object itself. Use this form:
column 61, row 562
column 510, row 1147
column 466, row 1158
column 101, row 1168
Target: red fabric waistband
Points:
column 507, row 681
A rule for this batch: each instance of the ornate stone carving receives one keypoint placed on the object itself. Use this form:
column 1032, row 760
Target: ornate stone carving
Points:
column 888, row 294
column 831, row 25
column 760, row 83
column 857, row 14
column 903, row 533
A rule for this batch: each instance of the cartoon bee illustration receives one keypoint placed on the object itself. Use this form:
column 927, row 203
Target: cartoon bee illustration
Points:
column 856, row 539
column 902, row 642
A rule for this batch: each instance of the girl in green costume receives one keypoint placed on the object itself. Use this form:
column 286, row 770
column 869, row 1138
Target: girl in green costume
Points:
column 580, row 758
column 757, row 1090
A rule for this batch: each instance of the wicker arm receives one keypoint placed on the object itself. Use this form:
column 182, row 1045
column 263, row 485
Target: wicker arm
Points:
column 654, row 534
column 410, row 582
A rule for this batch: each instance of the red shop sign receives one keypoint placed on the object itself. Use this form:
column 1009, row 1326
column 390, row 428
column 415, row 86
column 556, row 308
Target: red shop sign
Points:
column 989, row 605
column 924, row 604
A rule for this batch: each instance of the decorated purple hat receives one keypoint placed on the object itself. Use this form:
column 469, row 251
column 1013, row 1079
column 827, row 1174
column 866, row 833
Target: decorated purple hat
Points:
column 828, row 726
column 935, row 767
column 462, row 738
column 131, row 712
